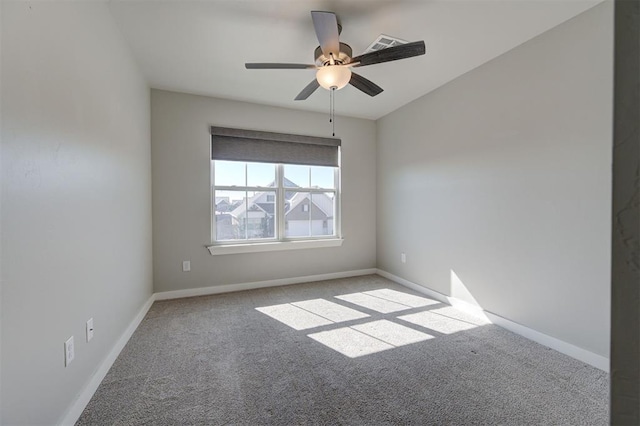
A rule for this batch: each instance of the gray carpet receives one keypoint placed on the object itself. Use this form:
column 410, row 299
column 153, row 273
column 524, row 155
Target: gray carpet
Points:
column 338, row 352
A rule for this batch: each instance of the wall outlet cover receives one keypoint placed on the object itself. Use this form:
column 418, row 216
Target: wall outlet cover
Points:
column 69, row 351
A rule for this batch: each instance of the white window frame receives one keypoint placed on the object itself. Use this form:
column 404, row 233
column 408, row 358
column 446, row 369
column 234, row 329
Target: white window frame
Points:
column 280, row 241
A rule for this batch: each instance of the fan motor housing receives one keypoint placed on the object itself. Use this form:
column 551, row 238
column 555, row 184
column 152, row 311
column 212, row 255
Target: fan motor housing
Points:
column 343, row 58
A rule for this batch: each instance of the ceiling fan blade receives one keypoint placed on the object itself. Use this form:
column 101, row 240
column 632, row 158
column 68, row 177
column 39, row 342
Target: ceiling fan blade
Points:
column 365, row 85
column 403, row 51
column 277, row 66
column 307, row 91
column 326, row 25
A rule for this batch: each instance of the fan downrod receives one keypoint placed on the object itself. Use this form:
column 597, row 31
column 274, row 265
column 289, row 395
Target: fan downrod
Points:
column 343, row 58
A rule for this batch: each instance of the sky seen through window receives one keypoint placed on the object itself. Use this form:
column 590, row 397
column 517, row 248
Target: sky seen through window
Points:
column 233, row 173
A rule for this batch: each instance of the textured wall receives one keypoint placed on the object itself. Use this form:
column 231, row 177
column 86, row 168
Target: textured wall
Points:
column 497, row 185
column 180, row 151
column 76, row 200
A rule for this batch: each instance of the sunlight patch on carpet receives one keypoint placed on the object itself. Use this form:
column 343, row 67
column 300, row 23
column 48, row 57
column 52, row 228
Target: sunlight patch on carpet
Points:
column 377, row 304
column 440, row 323
column 350, row 342
column 457, row 314
column 369, row 338
column 402, row 298
column 342, row 328
column 392, row 333
column 329, row 310
column 293, row 316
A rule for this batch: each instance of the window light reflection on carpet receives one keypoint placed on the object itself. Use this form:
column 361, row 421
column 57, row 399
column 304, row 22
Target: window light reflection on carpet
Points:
column 293, row 316
column 440, row 323
column 402, row 298
column 368, row 338
column 363, row 335
column 330, row 310
column 377, row 304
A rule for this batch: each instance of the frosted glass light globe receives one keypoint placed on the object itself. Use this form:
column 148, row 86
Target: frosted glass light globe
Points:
column 331, row 76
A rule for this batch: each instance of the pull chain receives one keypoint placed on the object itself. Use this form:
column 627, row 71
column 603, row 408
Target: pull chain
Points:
column 330, row 106
column 333, row 111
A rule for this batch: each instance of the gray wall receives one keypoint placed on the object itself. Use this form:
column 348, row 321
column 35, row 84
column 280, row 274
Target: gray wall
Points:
column 503, row 177
column 180, row 151
column 76, row 200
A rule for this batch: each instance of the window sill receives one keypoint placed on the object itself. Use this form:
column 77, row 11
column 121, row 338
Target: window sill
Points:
column 216, row 250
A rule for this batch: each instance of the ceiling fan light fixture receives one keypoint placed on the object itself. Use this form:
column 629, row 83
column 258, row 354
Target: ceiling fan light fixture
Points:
column 334, row 59
column 333, row 76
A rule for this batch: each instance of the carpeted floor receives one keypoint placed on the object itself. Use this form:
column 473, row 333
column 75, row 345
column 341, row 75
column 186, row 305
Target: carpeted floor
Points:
column 352, row 351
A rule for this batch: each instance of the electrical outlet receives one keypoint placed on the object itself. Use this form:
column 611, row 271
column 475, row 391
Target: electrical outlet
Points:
column 69, row 352
column 186, row 266
column 89, row 329
column 403, row 258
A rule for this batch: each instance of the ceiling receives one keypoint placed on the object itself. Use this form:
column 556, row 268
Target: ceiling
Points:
column 200, row 47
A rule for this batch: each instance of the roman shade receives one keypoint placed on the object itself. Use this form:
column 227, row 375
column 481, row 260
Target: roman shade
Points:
column 267, row 147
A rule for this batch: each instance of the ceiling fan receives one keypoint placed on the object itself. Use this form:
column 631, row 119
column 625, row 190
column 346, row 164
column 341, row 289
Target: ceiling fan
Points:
column 334, row 60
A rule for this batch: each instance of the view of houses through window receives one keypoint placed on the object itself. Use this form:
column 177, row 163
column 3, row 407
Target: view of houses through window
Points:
column 254, row 200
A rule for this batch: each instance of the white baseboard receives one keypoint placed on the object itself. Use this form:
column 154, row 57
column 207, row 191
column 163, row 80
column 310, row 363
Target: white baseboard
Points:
column 77, row 407
column 204, row 291
column 73, row 413
column 561, row 346
column 413, row 286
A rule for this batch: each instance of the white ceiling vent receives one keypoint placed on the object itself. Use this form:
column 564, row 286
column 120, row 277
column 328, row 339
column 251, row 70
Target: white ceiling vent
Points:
column 383, row 41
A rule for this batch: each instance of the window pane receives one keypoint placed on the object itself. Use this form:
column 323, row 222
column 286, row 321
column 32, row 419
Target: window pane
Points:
column 229, row 173
column 297, row 215
column 296, row 176
column 227, row 206
column 261, row 174
column 322, row 177
column 242, row 215
column 260, row 218
column 322, row 208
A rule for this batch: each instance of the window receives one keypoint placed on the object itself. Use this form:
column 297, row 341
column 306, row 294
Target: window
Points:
column 260, row 195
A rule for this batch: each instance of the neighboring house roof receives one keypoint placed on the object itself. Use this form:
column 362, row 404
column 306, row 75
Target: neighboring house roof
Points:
column 239, row 207
column 268, row 208
column 288, row 183
column 223, row 206
column 321, row 207
column 258, row 199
